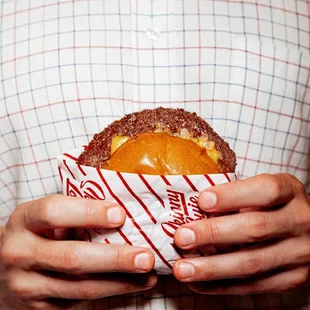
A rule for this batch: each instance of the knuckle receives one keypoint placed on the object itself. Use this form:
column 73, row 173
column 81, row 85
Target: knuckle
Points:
column 303, row 218
column 256, row 226
column 209, row 271
column 17, row 287
column 119, row 259
column 290, row 186
column 15, row 217
column 10, row 255
column 273, row 183
column 89, row 210
column 214, row 233
column 87, row 291
column 298, row 189
column 47, row 210
column 250, row 265
column 299, row 186
column 5, row 253
column 295, row 182
column 70, row 261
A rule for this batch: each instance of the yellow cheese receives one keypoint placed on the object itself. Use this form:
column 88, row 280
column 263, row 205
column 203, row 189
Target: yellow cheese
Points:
column 214, row 154
column 117, row 141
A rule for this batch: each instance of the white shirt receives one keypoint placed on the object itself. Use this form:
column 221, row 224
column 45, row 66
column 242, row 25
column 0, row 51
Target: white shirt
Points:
column 69, row 68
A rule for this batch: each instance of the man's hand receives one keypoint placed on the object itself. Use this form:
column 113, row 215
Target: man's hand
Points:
column 46, row 271
column 274, row 224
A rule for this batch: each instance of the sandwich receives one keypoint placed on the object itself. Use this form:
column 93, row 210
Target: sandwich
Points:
column 162, row 141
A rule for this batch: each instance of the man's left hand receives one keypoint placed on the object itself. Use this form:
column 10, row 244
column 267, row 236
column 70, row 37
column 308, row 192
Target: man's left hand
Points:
column 273, row 221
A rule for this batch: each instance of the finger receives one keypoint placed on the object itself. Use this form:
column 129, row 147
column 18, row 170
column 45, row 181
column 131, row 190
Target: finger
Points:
column 235, row 229
column 36, row 286
column 260, row 191
column 100, row 286
column 53, row 304
column 79, row 257
column 74, row 256
column 245, row 263
column 61, row 212
column 285, row 281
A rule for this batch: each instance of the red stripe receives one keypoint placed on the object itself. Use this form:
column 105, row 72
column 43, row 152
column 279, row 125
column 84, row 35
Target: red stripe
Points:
column 33, row 8
column 243, row 2
column 8, row 188
column 273, row 164
column 74, row 65
column 227, row 177
column 81, row 169
column 60, row 174
column 177, row 250
column 27, row 164
column 209, row 180
column 152, row 191
column 20, row 103
column 107, row 241
column 155, row 49
column 165, row 180
column 160, row 103
column 88, row 235
column 65, row 163
column 190, row 183
column 124, row 236
column 256, row 99
column 137, row 198
column 70, row 156
column 147, row 239
column 301, row 127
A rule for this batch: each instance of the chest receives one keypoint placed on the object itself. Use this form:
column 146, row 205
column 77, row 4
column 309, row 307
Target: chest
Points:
column 69, row 69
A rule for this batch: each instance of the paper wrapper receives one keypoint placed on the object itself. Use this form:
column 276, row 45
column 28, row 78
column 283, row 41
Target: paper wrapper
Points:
column 155, row 206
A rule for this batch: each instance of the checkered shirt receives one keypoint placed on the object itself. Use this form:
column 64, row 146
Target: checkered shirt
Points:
column 68, row 68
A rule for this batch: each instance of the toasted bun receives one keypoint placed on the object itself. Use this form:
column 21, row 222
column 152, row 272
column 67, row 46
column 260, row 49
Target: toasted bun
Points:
column 151, row 152
column 160, row 154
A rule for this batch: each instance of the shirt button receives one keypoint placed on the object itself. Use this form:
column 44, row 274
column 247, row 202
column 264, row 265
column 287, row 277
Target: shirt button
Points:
column 153, row 33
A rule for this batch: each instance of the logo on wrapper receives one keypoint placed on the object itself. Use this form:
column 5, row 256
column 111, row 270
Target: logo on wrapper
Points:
column 183, row 210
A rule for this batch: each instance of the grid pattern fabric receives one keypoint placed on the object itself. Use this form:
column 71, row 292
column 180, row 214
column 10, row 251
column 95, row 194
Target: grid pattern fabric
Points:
column 68, row 68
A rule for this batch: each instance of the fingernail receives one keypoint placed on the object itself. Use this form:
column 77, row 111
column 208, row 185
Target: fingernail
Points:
column 207, row 200
column 142, row 261
column 186, row 270
column 186, row 236
column 115, row 215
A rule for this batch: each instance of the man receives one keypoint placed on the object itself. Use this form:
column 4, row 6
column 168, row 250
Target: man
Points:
column 69, row 68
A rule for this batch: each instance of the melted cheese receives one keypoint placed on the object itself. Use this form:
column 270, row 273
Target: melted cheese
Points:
column 202, row 141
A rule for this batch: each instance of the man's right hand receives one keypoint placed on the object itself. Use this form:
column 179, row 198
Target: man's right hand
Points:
column 46, row 271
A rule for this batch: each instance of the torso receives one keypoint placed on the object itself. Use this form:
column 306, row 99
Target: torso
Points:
column 71, row 68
